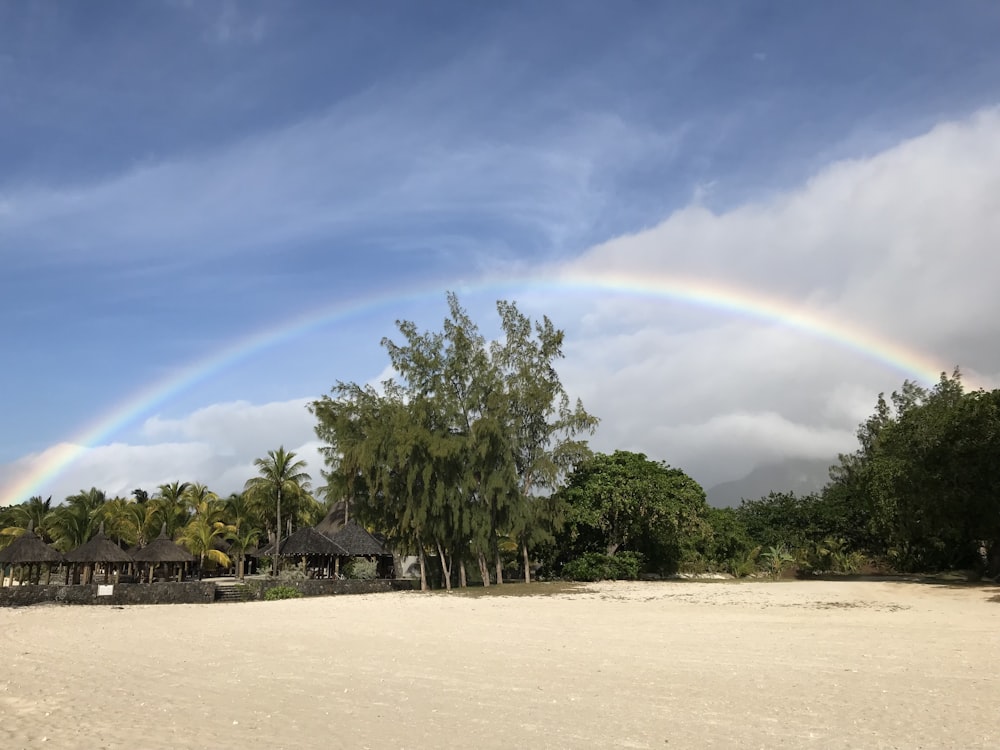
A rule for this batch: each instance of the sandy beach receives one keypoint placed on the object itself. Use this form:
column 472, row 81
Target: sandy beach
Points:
column 636, row 665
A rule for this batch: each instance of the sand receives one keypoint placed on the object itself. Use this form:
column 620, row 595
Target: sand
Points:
column 634, row 665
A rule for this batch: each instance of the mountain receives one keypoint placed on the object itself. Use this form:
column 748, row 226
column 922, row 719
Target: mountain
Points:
column 798, row 475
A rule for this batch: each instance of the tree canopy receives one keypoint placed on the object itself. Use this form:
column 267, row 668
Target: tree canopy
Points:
column 456, row 452
column 626, row 502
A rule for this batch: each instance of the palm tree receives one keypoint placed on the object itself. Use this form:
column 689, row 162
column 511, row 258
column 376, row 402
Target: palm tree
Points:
column 203, row 503
column 199, row 538
column 34, row 510
column 280, row 474
column 240, row 540
column 169, row 508
column 73, row 523
column 15, row 519
column 241, row 512
column 121, row 521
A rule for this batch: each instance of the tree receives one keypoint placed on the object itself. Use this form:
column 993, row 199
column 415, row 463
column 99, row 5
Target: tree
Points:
column 281, row 477
column 624, row 501
column 542, row 423
column 169, row 508
column 455, row 450
column 241, row 539
column 124, row 521
column 76, row 521
column 925, row 481
column 202, row 502
column 200, row 536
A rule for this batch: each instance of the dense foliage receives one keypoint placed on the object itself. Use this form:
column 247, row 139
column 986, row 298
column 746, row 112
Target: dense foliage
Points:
column 923, row 489
column 217, row 531
column 625, row 502
column 473, row 455
column 456, row 454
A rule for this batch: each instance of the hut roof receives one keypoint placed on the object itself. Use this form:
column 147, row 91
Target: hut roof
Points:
column 100, row 549
column 357, row 541
column 162, row 550
column 28, row 548
column 308, row 541
column 334, row 520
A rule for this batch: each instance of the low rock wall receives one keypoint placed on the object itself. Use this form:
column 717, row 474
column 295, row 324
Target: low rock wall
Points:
column 188, row 592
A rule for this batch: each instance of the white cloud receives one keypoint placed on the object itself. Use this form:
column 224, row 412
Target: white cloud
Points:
column 238, row 427
column 902, row 244
column 375, row 165
column 215, row 445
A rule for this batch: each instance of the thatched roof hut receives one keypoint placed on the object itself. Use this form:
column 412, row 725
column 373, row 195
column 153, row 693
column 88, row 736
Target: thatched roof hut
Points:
column 358, row 542
column 335, row 520
column 99, row 550
column 316, row 550
column 29, row 550
column 163, row 551
column 308, row 542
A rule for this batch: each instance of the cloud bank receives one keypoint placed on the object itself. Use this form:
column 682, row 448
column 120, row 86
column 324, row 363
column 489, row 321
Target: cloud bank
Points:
column 902, row 243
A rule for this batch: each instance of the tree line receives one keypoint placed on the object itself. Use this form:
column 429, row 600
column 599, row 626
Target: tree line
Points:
column 218, row 531
column 473, row 458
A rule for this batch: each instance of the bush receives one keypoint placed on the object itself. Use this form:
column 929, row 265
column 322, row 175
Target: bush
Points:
column 361, row 569
column 596, row 566
column 777, row 560
column 292, row 573
column 743, row 563
column 282, row 592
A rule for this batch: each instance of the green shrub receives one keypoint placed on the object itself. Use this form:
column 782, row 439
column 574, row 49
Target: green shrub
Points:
column 361, row 569
column 742, row 563
column 282, row 592
column 777, row 560
column 596, row 566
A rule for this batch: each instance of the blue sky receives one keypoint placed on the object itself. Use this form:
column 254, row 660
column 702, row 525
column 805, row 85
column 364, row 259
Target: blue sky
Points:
column 178, row 175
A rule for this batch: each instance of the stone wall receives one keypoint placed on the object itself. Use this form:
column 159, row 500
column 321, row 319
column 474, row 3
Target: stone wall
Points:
column 188, row 592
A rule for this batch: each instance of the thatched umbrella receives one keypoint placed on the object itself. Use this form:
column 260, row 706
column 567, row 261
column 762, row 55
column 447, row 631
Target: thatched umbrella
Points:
column 163, row 551
column 29, row 550
column 308, row 543
column 100, row 549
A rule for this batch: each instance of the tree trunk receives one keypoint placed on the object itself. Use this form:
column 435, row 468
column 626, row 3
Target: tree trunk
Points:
column 462, row 582
column 484, row 570
column 527, row 562
column 445, row 569
column 499, row 568
column 423, row 567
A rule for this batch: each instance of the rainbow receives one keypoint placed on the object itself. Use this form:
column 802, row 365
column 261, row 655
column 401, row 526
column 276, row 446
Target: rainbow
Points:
column 913, row 364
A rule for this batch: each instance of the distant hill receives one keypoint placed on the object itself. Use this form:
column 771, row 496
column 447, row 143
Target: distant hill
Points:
column 800, row 475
